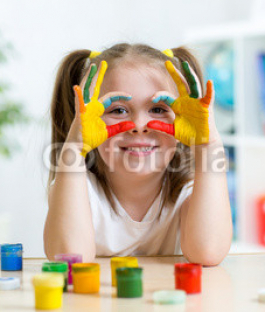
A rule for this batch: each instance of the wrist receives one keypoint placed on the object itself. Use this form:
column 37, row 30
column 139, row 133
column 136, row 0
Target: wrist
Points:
column 210, row 157
column 216, row 142
column 70, row 159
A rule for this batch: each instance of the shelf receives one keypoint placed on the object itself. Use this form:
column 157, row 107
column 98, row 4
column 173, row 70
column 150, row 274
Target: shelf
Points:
column 243, row 141
column 225, row 32
column 246, row 40
column 241, row 247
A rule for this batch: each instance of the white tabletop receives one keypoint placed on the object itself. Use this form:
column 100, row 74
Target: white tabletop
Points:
column 231, row 286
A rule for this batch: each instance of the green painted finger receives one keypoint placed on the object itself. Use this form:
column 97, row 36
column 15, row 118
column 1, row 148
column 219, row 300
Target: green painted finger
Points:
column 91, row 75
column 194, row 93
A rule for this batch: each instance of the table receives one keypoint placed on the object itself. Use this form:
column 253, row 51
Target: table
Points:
column 231, row 286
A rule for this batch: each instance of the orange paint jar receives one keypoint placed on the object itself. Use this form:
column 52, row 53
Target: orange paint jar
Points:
column 86, row 277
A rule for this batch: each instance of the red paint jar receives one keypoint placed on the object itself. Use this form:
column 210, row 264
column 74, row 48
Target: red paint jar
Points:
column 261, row 219
column 188, row 277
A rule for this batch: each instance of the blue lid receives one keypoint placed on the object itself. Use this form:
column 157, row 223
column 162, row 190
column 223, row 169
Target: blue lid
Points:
column 11, row 247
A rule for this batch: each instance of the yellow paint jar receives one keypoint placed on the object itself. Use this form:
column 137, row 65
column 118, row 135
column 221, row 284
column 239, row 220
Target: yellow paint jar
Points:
column 120, row 262
column 86, row 277
column 48, row 290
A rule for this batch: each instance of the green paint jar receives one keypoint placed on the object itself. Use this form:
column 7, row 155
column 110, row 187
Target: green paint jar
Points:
column 129, row 282
column 59, row 267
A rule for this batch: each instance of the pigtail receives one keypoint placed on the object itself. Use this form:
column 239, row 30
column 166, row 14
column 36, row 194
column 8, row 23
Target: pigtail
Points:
column 62, row 110
column 182, row 54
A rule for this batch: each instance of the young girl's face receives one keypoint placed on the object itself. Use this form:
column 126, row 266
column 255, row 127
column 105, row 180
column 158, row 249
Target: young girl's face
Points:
column 121, row 152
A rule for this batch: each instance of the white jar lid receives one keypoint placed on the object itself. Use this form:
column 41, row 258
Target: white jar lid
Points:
column 9, row 283
column 169, row 297
column 261, row 295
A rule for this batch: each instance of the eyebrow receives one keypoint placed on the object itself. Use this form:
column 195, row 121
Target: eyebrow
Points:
column 114, row 98
column 166, row 99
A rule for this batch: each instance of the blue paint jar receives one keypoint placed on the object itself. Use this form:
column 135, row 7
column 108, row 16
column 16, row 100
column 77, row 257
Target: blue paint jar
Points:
column 11, row 257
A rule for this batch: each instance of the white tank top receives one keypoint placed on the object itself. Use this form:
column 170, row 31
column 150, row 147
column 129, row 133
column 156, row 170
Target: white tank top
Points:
column 122, row 236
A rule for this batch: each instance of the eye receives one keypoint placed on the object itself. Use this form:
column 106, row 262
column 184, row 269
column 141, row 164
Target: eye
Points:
column 118, row 111
column 158, row 110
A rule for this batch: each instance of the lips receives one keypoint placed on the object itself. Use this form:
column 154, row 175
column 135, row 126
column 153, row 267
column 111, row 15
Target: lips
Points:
column 138, row 148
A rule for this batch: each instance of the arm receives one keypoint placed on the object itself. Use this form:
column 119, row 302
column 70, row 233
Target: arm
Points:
column 69, row 227
column 206, row 223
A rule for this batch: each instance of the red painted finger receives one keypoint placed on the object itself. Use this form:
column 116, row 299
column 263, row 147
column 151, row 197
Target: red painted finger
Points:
column 161, row 126
column 209, row 93
column 120, row 127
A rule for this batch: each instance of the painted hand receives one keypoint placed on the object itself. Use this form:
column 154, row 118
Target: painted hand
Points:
column 192, row 123
column 94, row 130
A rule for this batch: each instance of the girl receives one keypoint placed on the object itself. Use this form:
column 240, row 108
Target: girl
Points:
column 125, row 181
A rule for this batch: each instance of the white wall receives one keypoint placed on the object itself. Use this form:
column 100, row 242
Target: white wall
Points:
column 42, row 32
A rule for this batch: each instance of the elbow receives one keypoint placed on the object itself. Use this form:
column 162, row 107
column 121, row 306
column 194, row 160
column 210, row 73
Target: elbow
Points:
column 206, row 259
column 50, row 251
column 86, row 256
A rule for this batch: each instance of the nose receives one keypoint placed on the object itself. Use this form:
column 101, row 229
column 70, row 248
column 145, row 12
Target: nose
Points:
column 140, row 127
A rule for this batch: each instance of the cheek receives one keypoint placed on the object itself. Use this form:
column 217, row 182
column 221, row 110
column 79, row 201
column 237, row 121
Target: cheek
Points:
column 110, row 147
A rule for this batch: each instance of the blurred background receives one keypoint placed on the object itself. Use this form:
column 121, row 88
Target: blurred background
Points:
column 228, row 37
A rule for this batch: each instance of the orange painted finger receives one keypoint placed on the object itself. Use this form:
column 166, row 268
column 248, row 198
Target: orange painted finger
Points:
column 161, row 126
column 78, row 91
column 178, row 81
column 209, row 93
column 102, row 70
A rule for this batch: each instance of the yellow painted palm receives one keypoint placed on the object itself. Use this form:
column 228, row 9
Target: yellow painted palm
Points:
column 191, row 124
column 94, row 129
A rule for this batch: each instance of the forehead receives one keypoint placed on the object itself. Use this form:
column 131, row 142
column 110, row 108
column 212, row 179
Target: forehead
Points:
column 138, row 80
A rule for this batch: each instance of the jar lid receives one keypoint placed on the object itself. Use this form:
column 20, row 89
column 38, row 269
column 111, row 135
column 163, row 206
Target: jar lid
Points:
column 124, row 261
column 169, row 296
column 48, row 279
column 261, row 295
column 71, row 258
column 55, row 267
column 188, row 268
column 85, row 267
column 11, row 247
column 9, row 283
column 129, row 272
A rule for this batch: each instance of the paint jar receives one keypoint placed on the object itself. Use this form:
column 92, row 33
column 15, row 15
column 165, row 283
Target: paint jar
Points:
column 11, row 257
column 48, row 290
column 121, row 262
column 70, row 259
column 129, row 282
column 188, row 277
column 86, row 277
column 59, row 267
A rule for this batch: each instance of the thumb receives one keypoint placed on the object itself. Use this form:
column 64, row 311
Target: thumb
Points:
column 77, row 111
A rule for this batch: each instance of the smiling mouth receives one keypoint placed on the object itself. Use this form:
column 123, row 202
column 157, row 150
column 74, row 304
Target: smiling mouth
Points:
column 139, row 149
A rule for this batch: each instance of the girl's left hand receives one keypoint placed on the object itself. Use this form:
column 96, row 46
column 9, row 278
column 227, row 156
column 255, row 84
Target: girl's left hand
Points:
column 194, row 121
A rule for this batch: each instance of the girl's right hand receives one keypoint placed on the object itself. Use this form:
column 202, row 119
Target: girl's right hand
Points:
column 93, row 129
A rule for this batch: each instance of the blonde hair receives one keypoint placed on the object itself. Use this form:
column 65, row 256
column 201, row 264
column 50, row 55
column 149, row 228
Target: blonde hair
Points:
column 62, row 110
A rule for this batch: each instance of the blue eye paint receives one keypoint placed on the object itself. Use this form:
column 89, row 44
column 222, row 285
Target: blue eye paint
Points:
column 165, row 98
column 111, row 99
